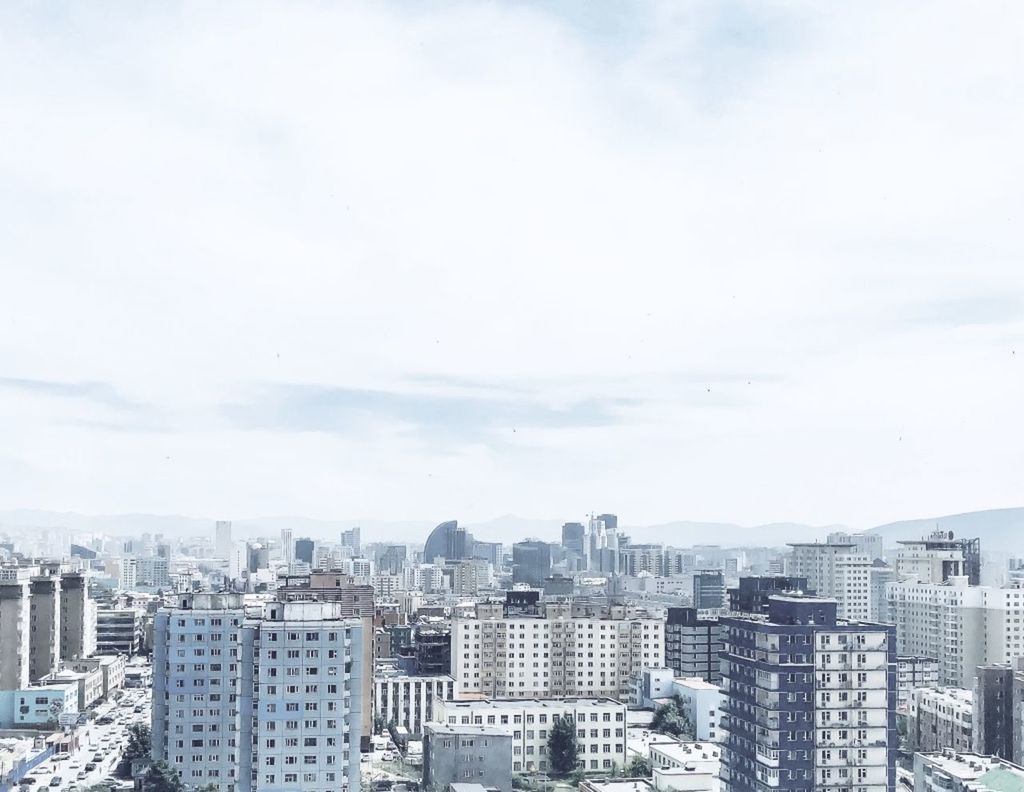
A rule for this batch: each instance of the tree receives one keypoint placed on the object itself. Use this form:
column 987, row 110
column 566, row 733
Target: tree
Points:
column 638, row 767
column 161, row 777
column 139, row 746
column 562, row 746
column 670, row 718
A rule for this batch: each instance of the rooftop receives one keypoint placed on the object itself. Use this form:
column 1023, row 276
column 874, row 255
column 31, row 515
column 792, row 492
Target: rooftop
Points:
column 545, row 702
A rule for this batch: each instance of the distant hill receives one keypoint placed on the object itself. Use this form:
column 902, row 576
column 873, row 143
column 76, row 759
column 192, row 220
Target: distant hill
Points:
column 998, row 529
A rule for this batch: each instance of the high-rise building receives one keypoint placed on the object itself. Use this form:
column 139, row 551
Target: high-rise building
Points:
column 573, row 537
column 880, row 575
column 752, row 593
column 994, row 705
column 912, row 673
column 44, row 622
column 488, row 551
column 692, row 645
column 960, row 625
column 77, row 618
column 709, row 589
column 351, row 540
column 390, row 559
column 837, row 571
column 448, row 541
column 864, row 542
column 304, row 550
column 809, row 701
column 222, row 538
column 258, row 701
column 15, row 618
column 601, row 546
column 939, row 557
column 287, row 546
column 493, row 652
column 531, row 562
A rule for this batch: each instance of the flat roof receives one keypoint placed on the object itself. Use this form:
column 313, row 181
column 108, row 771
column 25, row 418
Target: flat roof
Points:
column 545, row 702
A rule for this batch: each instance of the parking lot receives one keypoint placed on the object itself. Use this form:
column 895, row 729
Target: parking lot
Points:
column 99, row 750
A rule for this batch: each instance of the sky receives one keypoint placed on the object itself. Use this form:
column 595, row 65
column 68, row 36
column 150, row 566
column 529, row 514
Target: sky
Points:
column 738, row 261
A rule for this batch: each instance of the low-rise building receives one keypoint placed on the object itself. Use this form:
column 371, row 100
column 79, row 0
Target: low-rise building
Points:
column 690, row 766
column 941, row 718
column 950, row 771
column 600, row 728
column 408, row 700
column 36, row 707
column 455, row 753
column 112, row 668
column 88, row 683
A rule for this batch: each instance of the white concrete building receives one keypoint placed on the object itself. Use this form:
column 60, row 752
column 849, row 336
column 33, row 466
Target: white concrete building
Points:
column 702, row 704
column 264, row 698
column 952, row 771
column 552, row 655
column 836, row 571
column 941, row 718
column 15, row 620
column 961, row 626
column 600, row 728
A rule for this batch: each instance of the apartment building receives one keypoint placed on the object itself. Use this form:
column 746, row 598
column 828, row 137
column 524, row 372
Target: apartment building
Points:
column 837, row 571
column 912, row 673
column 466, row 757
column 939, row 557
column 809, row 700
column 77, row 617
column 44, row 622
column 941, row 718
column 692, row 644
column 949, row 771
column 259, row 698
column 553, row 653
column 15, row 618
column 960, row 625
column 600, row 728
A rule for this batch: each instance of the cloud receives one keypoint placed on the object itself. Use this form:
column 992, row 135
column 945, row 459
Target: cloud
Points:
column 737, row 261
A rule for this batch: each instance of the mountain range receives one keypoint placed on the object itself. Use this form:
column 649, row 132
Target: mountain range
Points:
column 1001, row 529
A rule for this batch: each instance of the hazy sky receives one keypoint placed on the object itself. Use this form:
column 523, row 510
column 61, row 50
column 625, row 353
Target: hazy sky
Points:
column 703, row 260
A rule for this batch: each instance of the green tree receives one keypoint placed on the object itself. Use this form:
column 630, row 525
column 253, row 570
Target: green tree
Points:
column 670, row 718
column 638, row 767
column 161, row 777
column 139, row 745
column 562, row 746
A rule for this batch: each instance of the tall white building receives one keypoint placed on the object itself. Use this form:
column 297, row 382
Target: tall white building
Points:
column 287, row 546
column 15, row 618
column 260, row 698
column 222, row 539
column 836, row 571
column 962, row 626
column 553, row 654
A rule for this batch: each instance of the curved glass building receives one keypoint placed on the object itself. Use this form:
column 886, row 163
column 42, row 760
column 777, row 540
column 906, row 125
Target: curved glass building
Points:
column 448, row 541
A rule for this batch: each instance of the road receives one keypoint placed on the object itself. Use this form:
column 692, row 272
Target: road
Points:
column 105, row 741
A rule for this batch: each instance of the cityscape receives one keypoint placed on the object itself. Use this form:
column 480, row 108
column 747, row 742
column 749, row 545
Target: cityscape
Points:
column 511, row 396
column 860, row 662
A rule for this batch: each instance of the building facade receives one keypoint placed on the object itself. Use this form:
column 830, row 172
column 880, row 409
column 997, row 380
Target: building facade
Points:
column 408, row 701
column 809, row 701
column 692, row 645
column 457, row 754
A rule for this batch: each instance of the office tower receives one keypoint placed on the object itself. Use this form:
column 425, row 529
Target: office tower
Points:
column 531, row 562
column 836, row 571
column 994, row 705
column 865, row 543
column 960, row 625
column 287, row 546
column 258, row 557
column 709, row 589
column 448, row 541
column 153, row 572
column 77, row 617
column 488, row 551
column 351, row 539
column 574, row 538
column 913, row 673
column 493, row 652
column 602, row 544
column 15, row 618
column 810, row 701
column 44, row 622
column 692, row 645
column 304, row 550
column 939, row 557
column 163, row 551
column 390, row 559
column 940, row 718
column 752, row 593
column 222, row 539
column 265, row 700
